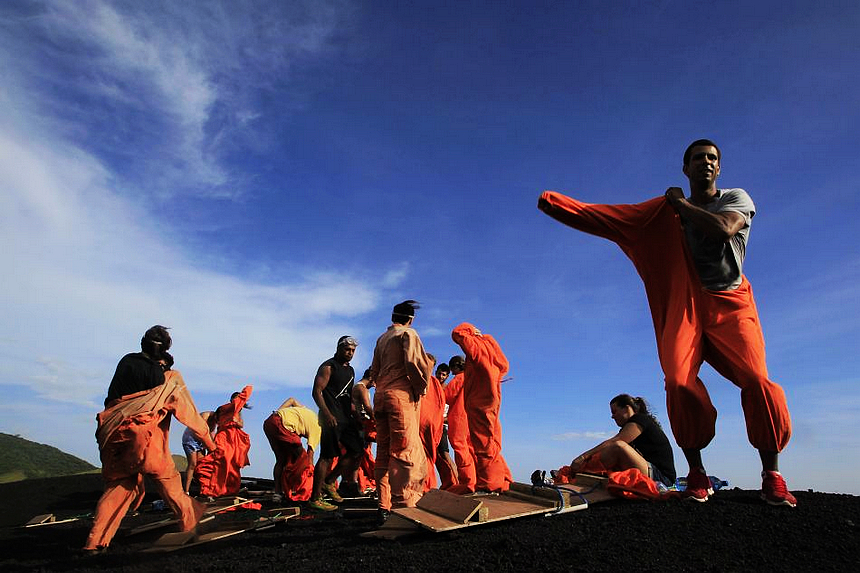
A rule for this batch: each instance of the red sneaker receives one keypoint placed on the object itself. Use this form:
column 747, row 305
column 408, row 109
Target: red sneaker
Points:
column 774, row 491
column 698, row 486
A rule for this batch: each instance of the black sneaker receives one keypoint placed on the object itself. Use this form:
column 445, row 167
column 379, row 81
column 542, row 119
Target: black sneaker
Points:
column 382, row 516
column 349, row 489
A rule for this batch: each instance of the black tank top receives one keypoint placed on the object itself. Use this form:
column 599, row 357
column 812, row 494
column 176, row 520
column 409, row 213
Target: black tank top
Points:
column 338, row 393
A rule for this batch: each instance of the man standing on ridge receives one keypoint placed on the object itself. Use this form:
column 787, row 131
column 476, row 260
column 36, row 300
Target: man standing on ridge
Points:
column 401, row 369
column 332, row 393
column 689, row 253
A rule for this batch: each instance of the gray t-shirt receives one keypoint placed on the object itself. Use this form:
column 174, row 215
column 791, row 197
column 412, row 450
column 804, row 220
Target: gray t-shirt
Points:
column 720, row 264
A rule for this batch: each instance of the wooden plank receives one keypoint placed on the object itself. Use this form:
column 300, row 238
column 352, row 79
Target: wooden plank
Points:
column 71, row 519
column 513, row 504
column 537, row 500
column 542, row 492
column 217, row 506
column 450, row 506
column 285, row 512
column 394, row 528
column 590, row 494
column 175, row 539
column 587, row 480
column 151, row 526
column 40, row 519
column 496, row 508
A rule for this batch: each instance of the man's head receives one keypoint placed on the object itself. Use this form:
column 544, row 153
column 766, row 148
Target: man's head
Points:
column 457, row 364
column 700, row 143
column 702, row 164
column 345, row 349
column 367, row 378
column 156, row 341
column 442, row 372
column 404, row 312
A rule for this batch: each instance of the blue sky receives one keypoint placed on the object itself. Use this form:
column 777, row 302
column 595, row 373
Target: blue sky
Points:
column 267, row 176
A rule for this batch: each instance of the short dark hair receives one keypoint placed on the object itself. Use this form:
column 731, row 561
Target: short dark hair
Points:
column 700, row 143
column 403, row 311
column 457, row 362
column 443, row 367
column 156, row 341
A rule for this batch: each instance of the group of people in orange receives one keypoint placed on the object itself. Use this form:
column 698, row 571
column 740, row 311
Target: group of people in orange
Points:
column 689, row 252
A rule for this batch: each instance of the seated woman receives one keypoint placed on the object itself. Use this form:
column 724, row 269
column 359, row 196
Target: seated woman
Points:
column 639, row 444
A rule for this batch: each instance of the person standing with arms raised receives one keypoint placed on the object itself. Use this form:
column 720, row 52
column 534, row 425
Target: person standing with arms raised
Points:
column 689, row 252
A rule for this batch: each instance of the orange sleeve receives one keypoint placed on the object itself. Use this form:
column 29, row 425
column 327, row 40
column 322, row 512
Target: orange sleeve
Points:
column 240, row 400
column 618, row 223
column 464, row 335
column 498, row 357
column 185, row 411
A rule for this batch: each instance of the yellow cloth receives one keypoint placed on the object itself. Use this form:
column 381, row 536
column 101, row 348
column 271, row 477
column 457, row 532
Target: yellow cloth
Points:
column 301, row 421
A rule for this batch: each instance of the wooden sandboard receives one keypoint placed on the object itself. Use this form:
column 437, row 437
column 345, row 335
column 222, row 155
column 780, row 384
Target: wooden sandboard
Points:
column 440, row 511
column 48, row 519
column 182, row 540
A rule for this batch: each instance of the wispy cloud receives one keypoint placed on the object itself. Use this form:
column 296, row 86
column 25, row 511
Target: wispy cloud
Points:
column 573, row 436
column 89, row 264
column 166, row 86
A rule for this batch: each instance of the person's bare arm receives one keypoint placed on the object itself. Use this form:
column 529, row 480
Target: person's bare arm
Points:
column 290, row 403
column 361, row 399
column 722, row 226
column 627, row 434
column 320, row 382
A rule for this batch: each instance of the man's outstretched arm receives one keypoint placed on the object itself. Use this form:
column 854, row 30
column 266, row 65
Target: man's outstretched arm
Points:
column 618, row 223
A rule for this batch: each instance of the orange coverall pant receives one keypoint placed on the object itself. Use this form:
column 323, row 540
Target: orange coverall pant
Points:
column 430, row 420
column 400, row 461
column 691, row 324
column 458, row 436
column 138, row 444
column 482, row 398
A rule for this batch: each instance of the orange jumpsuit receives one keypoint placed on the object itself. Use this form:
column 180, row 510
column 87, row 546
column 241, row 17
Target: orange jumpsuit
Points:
column 367, row 463
column 458, row 436
column 431, row 419
column 482, row 398
column 402, row 370
column 691, row 324
column 133, row 440
column 219, row 472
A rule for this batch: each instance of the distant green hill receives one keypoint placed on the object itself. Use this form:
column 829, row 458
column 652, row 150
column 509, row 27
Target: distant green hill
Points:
column 22, row 459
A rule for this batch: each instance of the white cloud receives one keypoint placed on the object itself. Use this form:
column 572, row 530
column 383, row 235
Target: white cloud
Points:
column 573, row 436
column 168, row 86
column 88, row 266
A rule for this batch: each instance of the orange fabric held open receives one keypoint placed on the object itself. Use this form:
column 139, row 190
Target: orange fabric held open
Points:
column 133, row 436
column 219, row 472
column 691, row 324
